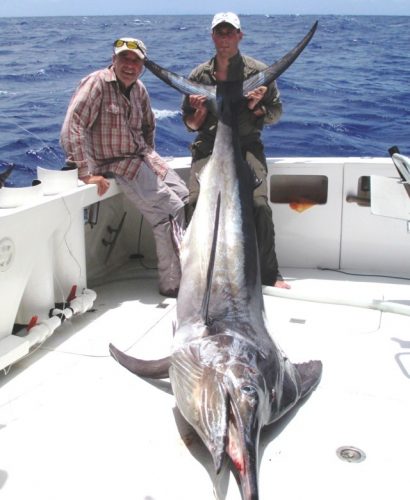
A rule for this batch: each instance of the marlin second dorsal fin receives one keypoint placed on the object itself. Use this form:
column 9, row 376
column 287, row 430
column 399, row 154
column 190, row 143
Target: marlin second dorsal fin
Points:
column 205, row 302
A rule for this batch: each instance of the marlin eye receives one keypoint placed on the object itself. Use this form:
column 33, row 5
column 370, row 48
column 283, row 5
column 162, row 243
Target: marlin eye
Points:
column 249, row 391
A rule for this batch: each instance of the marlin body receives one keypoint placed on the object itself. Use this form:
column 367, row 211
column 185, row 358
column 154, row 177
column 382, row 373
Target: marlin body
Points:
column 228, row 376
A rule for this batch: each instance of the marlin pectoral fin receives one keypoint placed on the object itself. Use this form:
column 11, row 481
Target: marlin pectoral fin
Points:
column 202, row 400
column 147, row 369
column 214, row 411
column 310, row 374
column 272, row 72
column 180, row 83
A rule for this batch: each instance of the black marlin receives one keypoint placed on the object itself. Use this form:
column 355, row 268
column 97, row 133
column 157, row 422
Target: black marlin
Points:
column 228, row 376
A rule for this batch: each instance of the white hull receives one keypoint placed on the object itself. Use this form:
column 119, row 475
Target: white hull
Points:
column 75, row 424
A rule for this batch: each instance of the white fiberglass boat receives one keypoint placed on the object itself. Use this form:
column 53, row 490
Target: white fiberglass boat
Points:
column 75, row 424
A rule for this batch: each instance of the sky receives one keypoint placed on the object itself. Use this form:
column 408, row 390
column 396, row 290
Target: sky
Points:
column 28, row 8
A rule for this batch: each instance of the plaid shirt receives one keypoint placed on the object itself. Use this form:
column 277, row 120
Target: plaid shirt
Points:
column 105, row 131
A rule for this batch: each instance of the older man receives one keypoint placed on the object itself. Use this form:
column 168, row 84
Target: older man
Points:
column 109, row 128
column 264, row 107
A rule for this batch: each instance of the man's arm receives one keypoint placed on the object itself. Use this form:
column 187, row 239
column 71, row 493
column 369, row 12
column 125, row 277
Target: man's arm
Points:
column 148, row 117
column 81, row 114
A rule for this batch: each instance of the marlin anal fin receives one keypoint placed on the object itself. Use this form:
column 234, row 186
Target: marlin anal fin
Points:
column 205, row 302
column 147, row 369
column 272, row 72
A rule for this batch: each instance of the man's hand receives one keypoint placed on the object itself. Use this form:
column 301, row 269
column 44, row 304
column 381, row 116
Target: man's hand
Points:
column 255, row 96
column 198, row 102
column 102, row 183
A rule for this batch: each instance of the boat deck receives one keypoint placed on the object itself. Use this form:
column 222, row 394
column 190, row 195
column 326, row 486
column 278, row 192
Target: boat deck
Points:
column 75, row 424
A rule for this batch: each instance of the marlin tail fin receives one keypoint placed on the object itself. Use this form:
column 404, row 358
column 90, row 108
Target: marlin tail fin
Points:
column 272, row 72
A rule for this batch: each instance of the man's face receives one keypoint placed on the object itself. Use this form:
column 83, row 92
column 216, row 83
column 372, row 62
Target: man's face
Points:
column 127, row 66
column 226, row 39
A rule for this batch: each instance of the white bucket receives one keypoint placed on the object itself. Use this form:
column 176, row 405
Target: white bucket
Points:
column 57, row 181
column 12, row 197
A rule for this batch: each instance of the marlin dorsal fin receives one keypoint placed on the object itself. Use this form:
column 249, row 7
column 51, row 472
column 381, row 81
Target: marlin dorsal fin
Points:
column 205, row 302
column 273, row 71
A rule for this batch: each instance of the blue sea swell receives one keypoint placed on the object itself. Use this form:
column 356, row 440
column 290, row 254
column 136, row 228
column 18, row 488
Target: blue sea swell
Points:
column 347, row 95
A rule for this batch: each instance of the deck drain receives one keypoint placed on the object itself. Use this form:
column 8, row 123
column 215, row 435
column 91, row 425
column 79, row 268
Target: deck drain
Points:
column 350, row 454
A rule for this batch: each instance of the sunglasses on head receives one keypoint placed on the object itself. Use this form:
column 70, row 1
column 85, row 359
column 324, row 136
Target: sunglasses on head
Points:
column 130, row 44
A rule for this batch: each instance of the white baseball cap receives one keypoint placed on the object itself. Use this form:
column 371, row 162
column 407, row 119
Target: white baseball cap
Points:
column 131, row 44
column 226, row 17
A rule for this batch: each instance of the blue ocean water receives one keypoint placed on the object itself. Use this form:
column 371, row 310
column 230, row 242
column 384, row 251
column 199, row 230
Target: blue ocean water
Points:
column 347, row 95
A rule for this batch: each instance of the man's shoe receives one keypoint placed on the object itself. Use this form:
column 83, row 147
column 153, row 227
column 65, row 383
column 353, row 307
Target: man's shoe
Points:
column 170, row 293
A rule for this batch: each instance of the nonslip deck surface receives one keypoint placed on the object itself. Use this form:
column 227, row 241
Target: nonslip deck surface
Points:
column 75, row 424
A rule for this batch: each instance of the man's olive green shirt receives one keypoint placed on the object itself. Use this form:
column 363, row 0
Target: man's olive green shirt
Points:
column 241, row 67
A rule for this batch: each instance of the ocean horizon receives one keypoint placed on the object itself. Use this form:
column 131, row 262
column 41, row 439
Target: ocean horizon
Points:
column 346, row 95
